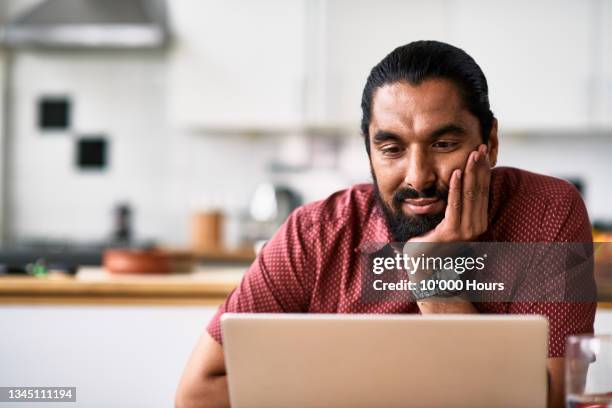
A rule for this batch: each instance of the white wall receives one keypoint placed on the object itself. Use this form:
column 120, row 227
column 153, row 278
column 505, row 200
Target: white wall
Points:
column 163, row 172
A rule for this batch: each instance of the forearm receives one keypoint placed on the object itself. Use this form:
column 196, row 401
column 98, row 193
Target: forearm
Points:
column 556, row 382
column 212, row 392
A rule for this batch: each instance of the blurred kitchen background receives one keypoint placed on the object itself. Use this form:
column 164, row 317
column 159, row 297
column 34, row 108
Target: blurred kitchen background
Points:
column 197, row 125
column 172, row 109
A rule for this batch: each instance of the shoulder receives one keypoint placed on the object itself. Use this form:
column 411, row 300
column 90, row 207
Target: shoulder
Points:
column 550, row 189
column 542, row 207
column 315, row 226
column 528, row 191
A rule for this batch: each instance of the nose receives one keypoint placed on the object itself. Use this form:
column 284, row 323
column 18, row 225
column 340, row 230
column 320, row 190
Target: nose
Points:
column 420, row 174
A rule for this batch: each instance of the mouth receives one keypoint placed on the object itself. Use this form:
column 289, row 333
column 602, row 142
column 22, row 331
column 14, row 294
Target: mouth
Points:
column 422, row 206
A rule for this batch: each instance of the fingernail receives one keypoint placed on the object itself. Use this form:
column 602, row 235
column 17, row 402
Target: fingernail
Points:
column 458, row 174
column 475, row 158
column 485, row 149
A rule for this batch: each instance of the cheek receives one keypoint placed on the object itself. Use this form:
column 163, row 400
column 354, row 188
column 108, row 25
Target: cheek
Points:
column 388, row 178
column 449, row 163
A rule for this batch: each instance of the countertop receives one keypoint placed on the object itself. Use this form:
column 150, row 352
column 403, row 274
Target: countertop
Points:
column 206, row 285
column 93, row 285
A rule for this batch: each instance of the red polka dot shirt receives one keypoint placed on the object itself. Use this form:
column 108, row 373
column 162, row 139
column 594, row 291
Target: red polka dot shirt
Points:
column 310, row 264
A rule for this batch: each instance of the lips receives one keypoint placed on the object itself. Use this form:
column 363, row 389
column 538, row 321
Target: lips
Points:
column 424, row 205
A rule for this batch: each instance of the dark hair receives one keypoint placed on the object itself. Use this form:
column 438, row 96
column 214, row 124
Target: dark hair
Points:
column 421, row 60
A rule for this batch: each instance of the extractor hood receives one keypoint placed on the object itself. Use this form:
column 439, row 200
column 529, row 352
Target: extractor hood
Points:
column 89, row 24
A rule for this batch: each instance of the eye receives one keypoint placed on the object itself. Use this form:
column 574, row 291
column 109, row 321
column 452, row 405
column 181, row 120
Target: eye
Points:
column 390, row 150
column 444, row 145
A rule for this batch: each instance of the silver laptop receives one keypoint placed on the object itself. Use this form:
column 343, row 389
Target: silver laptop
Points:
column 315, row 360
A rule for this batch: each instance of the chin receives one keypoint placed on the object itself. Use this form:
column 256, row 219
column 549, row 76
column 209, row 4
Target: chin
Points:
column 405, row 227
column 423, row 216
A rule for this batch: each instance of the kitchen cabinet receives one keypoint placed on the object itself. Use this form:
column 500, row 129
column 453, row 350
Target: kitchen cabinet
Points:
column 284, row 64
column 116, row 356
column 538, row 56
column 360, row 33
column 121, row 340
column 236, row 64
column 278, row 64
column 541, row 58
column 604, row 91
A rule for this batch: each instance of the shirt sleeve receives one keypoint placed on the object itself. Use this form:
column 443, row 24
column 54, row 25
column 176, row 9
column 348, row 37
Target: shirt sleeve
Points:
column 279, row 279
column 573, row 310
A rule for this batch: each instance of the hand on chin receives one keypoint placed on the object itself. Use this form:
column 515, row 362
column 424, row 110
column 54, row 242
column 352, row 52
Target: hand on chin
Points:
column 466, row 213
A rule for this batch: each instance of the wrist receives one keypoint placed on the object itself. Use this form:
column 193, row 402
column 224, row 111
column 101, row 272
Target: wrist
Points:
column 442, row 283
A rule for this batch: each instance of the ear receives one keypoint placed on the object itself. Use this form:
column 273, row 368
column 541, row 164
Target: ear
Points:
column 493, row 145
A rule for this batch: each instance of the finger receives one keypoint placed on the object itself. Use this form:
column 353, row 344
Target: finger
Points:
column 469, row 195
column 452, row 214
column 484, row 181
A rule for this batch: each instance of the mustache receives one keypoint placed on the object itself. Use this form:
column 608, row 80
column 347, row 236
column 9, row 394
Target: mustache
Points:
column 409, row 193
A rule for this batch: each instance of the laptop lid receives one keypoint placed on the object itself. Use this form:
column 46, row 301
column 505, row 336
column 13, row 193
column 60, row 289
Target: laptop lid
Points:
column 313, row 360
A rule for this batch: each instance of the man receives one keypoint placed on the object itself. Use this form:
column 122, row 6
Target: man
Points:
column 432, row 142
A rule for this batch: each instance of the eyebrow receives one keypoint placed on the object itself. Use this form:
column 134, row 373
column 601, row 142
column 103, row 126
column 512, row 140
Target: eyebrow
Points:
column 446, row 129
column 384, row 135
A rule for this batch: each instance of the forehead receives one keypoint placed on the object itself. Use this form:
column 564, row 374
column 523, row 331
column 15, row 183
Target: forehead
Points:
column 403, row 107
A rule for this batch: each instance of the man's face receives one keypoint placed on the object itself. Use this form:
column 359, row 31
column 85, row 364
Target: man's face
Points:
column 418, row 136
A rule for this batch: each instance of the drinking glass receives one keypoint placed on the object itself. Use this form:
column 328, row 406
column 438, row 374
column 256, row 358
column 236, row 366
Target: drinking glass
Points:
column 588, row 371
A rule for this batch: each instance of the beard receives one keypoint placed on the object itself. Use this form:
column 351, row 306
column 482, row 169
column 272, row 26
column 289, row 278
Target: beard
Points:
column 402, row 226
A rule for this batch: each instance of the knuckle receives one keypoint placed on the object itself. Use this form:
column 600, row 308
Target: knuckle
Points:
column 470, row 195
